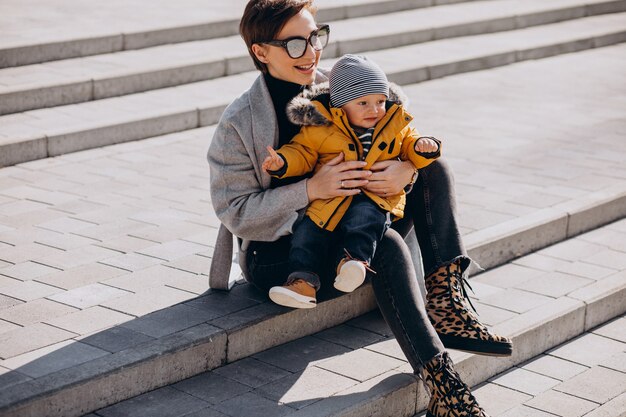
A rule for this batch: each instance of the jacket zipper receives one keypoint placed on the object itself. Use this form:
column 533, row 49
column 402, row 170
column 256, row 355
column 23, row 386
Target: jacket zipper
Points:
column 385, row 125
column 358, row 154
column 352, row 137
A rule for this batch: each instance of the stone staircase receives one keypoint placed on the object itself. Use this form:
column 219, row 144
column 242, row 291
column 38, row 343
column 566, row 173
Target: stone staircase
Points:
column 52, row 108
column 76, row 94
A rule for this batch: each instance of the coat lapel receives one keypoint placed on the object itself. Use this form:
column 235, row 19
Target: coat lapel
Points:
column 264, row 126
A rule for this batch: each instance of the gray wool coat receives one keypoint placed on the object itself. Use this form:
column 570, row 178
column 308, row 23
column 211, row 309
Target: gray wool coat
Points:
column 240, row 191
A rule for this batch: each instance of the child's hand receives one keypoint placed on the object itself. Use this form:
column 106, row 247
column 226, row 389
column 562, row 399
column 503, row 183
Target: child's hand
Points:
column 273, row 162
column 426, row 145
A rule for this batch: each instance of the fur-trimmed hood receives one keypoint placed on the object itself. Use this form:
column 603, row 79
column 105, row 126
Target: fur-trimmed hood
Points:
column 303, row 112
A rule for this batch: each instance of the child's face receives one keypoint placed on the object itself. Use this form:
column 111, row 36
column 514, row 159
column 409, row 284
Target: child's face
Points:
column 366, row 111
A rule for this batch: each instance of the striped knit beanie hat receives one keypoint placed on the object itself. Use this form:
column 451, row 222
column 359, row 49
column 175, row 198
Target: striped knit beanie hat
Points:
column 355, row 76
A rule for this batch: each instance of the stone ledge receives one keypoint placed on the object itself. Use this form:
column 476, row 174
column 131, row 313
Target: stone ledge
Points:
column 604, row 299
column 204, row 112
column 533, row 332
column 95, row 384
column 265, row 329
column 243, row 333
column 116, row 42
column 499, row 244
column 235, row 59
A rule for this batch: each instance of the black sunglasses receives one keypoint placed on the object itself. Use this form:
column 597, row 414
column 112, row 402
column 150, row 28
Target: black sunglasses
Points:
column 296, row 45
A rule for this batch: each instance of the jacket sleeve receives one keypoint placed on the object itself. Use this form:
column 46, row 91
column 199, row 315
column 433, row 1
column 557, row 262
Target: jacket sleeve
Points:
column 408, row 149
column 301, row 153
column 237, row 195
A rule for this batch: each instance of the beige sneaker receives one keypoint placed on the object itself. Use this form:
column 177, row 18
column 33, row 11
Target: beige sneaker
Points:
column 350, row 275
column 297, row 294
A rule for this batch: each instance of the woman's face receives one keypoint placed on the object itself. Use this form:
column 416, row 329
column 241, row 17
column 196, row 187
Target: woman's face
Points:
column 279, row 64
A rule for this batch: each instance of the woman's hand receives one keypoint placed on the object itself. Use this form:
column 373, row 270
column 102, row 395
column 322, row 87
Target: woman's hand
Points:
column 390, row 177
column 337, row 178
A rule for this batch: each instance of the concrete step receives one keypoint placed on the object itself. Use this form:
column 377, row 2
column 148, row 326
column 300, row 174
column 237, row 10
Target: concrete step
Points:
column 121, row 26
column 353, row 369
column 64, row 369
column 583, row 375
column 49, row 132
column 115, row 74
column 540, row 299
column 563, row 380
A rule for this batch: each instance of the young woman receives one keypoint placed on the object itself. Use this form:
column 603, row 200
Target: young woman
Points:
column 285, row 44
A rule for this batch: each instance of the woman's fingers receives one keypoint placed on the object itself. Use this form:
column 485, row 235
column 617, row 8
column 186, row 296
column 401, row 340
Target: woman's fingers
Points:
column 352, row 167
column 382, row 165
column 337, row 178
column 336, row 160
column 350, row 170
column 390, row 178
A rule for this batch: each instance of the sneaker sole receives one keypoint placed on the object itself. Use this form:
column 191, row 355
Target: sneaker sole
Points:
column 284, row 297
column 350, row 278
column 480, row 347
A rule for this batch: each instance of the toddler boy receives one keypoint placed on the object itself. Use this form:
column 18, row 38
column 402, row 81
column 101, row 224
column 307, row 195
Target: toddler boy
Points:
column 357, row 115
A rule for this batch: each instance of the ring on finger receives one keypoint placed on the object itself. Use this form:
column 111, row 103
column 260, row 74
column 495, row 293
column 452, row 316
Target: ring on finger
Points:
column 342, row 185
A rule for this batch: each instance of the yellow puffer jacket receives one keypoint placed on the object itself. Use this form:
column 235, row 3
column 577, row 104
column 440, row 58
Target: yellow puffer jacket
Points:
column 326, row 132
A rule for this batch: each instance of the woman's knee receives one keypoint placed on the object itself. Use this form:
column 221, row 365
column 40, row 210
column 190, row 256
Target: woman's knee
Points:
column 392, row 250
column 439, row 172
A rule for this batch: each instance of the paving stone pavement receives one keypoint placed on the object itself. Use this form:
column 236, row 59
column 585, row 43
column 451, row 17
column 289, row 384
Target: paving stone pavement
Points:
column 131, row 24
column 563, row 382
column 128, row 229
column 328, row 365
column 109, row 236
column 585, row 376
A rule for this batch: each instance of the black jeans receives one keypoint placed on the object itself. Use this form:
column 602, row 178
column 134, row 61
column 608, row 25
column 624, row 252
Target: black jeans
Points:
column 358, row 233
column 431, row 208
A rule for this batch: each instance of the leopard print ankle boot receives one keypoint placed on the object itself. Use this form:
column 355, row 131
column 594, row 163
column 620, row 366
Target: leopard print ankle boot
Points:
column 449, row 396
column 453, row 316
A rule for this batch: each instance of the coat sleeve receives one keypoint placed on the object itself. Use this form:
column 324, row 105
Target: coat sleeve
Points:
column 238, row 198
column 301, row 153
column 408, row 149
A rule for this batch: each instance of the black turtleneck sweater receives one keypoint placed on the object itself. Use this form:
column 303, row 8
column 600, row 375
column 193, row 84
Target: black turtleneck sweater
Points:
column 282, row 93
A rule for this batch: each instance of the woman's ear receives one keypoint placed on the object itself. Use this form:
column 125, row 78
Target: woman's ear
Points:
column 260, row 51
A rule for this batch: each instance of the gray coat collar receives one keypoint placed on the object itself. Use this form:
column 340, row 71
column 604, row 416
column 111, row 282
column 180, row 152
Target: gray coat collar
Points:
column 264, row 132
column 264, row 126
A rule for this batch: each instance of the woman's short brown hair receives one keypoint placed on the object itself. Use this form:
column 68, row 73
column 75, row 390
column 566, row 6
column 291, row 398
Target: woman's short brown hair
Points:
column 262, row 20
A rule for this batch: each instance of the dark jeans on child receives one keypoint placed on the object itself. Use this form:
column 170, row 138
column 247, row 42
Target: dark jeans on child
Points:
column 357, row 234
column 431, row 208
